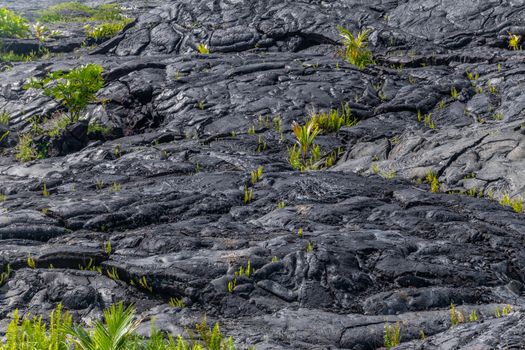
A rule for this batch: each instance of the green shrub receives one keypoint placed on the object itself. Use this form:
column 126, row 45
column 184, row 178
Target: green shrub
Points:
column 356, row 50
column 12, row 25
column 74, row 90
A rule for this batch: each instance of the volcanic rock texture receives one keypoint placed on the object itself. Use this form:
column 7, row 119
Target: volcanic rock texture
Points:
column 166, row 189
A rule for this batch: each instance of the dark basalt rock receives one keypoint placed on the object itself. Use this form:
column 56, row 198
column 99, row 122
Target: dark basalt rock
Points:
column 72, row 139
column 166, row 187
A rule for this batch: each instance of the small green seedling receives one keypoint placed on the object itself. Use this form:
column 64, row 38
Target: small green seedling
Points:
column 203, row 49
column 31, row 263
column 176, row 303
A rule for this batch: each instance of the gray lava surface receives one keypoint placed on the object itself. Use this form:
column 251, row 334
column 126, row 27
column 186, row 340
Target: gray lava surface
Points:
column 166, row 187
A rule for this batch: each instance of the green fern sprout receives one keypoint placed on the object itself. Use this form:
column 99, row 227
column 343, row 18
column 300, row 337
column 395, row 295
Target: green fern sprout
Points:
column 473, row 77
column 116, row 187
column 112, row 334
column 454, row 93
column 107, row 248
column 248, row 195
column 244, row 272
column 4, row 118
column 375, row 168
column 176, row 303
column 90, row 267
column 261, row 144
column 113, row 273
column 232, row 284
column 516, row 204
column 334, row 119
column 277, row 124
column 432, row 179
column 203, row 49
column 514, row 41
column 257, row 175
column 356, row 50
column 32, row 334
column 31, row 263
column 473, row 316
column 456, row 317
column 4, row 275
column 143, row 283
column 506, row 310
column 106, row 30
column 305, row 135
column 294, row 157
column 392, row 336
column 309, row 247
column 45, row 192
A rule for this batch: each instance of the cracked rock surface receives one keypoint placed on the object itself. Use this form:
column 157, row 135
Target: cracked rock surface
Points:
column 359, row 245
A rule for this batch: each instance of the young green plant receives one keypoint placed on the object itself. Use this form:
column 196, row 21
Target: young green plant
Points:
column 356, row 51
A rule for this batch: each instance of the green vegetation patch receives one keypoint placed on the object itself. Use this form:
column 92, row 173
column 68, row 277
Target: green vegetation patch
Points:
column 12, row 25
column 106, row 30
column 10, row 56
column 74, row 89
column 77, row 12
column 117, row 331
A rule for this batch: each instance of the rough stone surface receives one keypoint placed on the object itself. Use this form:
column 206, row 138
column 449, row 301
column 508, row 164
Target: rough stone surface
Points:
column 166, row 187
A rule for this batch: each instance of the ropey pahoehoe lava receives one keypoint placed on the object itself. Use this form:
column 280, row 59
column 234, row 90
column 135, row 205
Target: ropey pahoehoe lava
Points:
column 262, row 174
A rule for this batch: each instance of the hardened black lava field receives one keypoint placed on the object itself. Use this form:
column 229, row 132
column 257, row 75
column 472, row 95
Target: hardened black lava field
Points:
column 184, row 186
